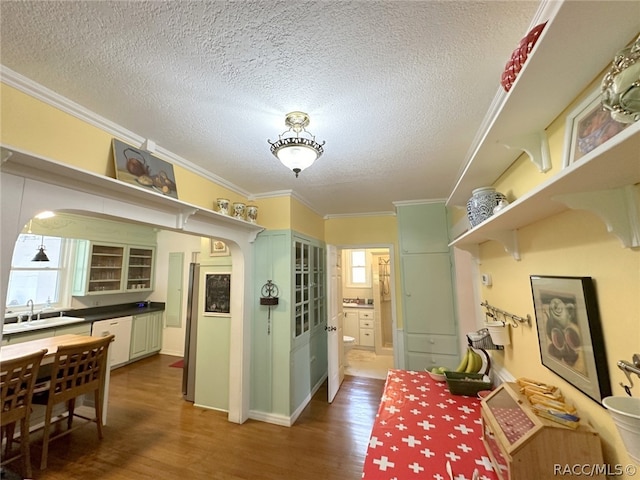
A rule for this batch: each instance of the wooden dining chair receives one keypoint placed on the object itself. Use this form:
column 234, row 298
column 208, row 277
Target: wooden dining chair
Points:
column 78, row 369
column 17, row 378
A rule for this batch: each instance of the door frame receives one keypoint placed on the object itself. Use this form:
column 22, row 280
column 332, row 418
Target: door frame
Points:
column 398, row 346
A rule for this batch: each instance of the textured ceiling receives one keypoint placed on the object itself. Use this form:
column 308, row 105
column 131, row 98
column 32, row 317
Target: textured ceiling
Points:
column 397, row 89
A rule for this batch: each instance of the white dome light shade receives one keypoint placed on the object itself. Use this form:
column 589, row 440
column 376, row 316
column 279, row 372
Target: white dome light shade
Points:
column 297, row 157
column 296, row 152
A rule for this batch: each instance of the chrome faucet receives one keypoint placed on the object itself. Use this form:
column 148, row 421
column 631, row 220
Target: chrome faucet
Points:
column 30, row 302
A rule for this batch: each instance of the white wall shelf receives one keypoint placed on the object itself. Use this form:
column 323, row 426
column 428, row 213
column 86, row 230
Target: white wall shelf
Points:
column 566, row 58
column 602, row 181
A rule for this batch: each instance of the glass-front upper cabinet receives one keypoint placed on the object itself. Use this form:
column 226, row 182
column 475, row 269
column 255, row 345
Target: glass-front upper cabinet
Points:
column 99, row 268
column 140, row 268
column 103, row 268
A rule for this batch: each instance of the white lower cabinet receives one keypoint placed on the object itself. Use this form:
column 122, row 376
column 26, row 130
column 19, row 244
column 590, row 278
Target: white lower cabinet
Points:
column 119, row 348
column 366, row 323
column 146, row 334
column 351, row 325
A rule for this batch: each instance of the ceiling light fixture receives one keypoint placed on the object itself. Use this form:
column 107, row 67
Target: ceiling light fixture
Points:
column 296, row 152
column 41, row 256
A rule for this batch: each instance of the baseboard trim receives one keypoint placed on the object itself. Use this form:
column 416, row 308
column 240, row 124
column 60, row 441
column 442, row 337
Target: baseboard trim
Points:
column 272, row 418
column 283, row 420
column 499, row 374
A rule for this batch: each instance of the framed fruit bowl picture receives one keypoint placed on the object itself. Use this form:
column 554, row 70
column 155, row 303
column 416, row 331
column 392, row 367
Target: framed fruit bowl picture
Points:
column 570, row 334
column 588, row 127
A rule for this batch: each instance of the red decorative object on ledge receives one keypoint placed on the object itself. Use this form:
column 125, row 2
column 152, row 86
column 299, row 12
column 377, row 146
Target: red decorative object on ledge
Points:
column 519, row 56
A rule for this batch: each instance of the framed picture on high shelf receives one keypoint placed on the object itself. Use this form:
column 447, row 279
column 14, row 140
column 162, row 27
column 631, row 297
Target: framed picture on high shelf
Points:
column 217, row 294
column 570, row 334
column 218, row 248
column 138, row 167
column 588, row 127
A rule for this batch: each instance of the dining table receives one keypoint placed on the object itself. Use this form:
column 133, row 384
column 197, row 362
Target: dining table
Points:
column 51, row 345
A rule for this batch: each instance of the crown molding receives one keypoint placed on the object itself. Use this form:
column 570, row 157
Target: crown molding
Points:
column 286, row 193
column 33, row 89
column 404, row 203
column 332, row 216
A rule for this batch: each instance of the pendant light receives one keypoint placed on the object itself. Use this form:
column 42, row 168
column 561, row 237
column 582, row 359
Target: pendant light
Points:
column 41, row 256
column 296, row 152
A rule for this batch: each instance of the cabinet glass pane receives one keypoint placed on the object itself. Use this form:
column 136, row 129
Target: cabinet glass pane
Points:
column 298, row 321
column 106, row 265
column 140, row 268
column 298, row 252
column 512, row 419
column 305, row 257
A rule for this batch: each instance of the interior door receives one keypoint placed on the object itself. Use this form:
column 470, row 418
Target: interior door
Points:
column 335, row 352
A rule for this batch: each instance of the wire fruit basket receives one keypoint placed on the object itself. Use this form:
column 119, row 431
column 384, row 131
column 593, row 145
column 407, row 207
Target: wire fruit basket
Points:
column 482, row 340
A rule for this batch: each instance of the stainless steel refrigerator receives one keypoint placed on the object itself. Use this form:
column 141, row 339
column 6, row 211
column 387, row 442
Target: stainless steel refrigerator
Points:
column 189, row 368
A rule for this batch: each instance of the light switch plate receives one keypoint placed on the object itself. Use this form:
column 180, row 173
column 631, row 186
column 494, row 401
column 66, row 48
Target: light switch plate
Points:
column 486, row 279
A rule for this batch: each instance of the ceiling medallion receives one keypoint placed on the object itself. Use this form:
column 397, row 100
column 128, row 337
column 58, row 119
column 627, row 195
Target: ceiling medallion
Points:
column 294, row 151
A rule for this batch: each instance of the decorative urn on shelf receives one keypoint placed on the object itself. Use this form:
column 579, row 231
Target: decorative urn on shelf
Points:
column 481, row 204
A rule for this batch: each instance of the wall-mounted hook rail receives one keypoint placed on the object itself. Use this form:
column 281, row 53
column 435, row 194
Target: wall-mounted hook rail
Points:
column 496, row 313
column 628, row 368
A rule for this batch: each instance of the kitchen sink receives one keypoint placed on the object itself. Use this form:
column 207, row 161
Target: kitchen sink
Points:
column 26, row 326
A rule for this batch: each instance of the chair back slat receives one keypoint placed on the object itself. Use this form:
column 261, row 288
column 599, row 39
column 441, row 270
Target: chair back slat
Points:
column 79, row 368
column 17, row 379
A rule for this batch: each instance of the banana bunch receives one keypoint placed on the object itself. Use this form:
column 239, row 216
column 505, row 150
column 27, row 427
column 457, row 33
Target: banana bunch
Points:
column 471, row 362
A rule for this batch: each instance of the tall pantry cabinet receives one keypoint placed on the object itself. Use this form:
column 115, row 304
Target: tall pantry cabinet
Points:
column 430, row 325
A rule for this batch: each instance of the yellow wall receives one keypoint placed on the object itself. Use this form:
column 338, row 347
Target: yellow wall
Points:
column 369, row 230
column 573, row 243
column 274, row 212
column 306, row 221
column 38, row 128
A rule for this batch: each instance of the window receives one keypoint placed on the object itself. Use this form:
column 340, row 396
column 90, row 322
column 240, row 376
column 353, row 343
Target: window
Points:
column 358, row 269
column 41, row 282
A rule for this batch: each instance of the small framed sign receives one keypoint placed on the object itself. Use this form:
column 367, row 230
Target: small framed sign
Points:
column 217, row 294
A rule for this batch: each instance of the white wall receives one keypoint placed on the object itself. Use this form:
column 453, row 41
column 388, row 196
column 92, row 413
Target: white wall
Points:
column 168, row 242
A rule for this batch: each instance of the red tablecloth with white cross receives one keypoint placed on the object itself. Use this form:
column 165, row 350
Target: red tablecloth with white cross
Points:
column 419, row 426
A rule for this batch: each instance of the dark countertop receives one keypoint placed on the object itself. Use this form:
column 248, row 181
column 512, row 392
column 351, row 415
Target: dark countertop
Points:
column 95, row 314
column 357, row 305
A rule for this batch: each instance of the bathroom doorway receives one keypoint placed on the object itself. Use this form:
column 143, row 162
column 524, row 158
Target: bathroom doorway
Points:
column 369, row 303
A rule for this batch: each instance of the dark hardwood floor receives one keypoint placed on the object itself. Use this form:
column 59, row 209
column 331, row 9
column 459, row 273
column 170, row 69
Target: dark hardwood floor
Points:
column 152, row 433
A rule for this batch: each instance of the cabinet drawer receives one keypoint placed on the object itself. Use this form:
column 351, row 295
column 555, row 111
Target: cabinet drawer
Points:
column 365, row 315
column 79, row 329
column 366, row 323
column 432, row 343
column 366, row 337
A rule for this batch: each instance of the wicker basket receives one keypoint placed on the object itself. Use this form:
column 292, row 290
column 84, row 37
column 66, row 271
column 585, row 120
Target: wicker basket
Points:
column 482, row 340
column 469, row 384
